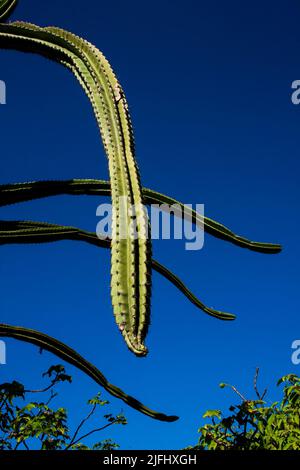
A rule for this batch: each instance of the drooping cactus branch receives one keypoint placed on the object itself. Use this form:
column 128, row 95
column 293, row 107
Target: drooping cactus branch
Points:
column 6, row 8
column 72, row 357
column 131, row 256
column 22, row 192
column 26, row 232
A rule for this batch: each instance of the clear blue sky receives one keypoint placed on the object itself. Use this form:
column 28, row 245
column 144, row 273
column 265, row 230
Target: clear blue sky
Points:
column 209, row 87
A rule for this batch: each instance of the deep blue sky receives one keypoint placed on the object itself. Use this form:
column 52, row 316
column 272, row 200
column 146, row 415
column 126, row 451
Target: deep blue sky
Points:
column 209, row 87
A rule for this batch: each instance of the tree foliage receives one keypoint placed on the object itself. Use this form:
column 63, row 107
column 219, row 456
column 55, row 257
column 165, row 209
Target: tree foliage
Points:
column 255, row 424
column 36, row 425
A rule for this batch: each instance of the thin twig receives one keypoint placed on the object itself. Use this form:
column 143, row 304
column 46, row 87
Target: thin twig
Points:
column 25, row 445
column 238, row 393
column 259, row 396
column 81, row 424
column 54, row 382
column 91, row 432
column 53, row 395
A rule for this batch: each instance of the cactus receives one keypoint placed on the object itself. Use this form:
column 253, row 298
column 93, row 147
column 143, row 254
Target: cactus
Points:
column 72, row 357
column 6, row 8
column 131, row 268
column 21, row 192
column 131, row 257
column 40, row 232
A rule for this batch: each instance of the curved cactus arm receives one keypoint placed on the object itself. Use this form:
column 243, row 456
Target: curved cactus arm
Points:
column 21, row 192
column 41, row 232
column 181, row 286
column 138, row 263
column 12, row 232
column 212, row 227
column 6, row 8
column 72, row 357
column 139, row 252
column 131, row 257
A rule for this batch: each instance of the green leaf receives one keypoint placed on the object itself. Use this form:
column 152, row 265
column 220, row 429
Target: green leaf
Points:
column 212, row 414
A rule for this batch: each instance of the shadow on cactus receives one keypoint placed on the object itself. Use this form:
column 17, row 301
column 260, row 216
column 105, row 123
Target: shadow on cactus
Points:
column 131, row 257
